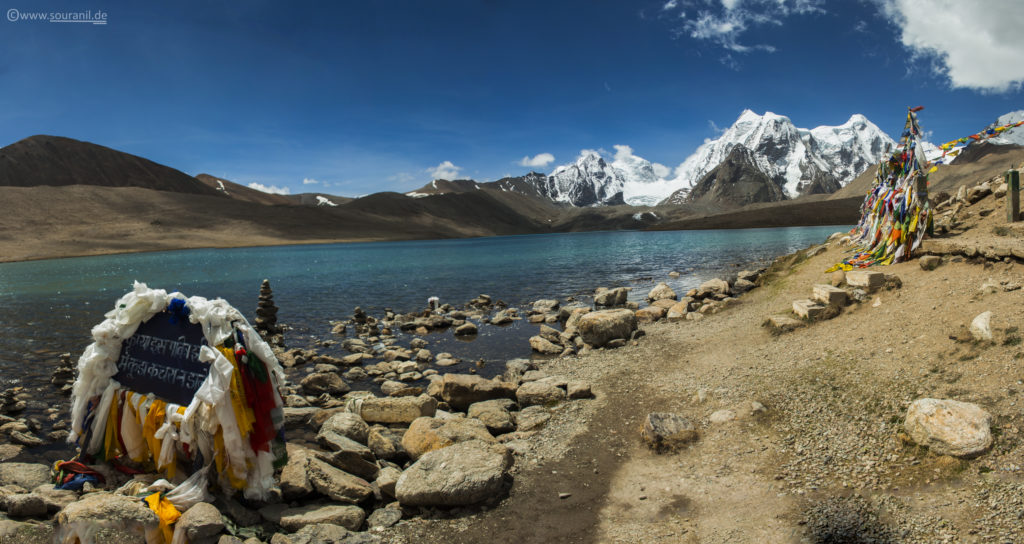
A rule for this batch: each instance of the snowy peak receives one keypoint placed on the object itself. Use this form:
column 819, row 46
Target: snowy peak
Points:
column 1012, row 136
column 590, row 181
column 799, row 160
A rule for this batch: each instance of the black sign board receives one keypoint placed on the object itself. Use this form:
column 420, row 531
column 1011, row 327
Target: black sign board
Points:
column 162, row 358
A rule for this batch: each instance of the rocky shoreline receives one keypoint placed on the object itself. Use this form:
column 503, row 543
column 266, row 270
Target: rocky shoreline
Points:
column 358, row 462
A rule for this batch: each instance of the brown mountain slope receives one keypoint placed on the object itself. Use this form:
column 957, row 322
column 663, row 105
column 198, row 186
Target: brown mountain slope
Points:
column 736, row 181
column 58, row 161
column 985, row 162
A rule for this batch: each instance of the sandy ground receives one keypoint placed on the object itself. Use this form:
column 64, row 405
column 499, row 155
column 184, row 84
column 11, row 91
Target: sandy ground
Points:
column 823, row 463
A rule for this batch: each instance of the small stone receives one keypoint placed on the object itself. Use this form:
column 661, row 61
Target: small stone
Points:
column 579, row 390
column 466, row 329
column 384, row 517
column 564, row 495
column 949, row 427
column 929, row 262
column 348, row 516
column 539, row 393
column 201, row 521
column 667, row 431
column 981, row 327
column 722, row 416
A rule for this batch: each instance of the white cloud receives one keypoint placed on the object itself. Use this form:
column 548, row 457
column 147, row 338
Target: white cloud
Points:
column 661, row 170
column 976, row 46
column 671, row 4
column 723, row 25
column 538, row 160
column 445, row 170
column 622, row 152
column 310, row 181
column 715, row 128
column 272, row 189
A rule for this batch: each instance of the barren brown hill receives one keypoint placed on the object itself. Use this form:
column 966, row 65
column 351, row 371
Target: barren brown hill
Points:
column 58, row 161
column 979, row 161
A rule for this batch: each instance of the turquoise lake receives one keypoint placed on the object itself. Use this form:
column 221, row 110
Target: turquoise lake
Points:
column 48, row 307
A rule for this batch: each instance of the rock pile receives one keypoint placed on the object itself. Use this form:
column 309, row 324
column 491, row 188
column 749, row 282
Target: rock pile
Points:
column 63, row 377
column 266, row 316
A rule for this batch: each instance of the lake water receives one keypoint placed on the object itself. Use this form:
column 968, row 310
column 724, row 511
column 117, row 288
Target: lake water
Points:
column 48, row 307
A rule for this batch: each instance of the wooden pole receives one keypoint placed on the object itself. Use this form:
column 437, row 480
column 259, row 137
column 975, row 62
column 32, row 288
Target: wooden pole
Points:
column 1012, row 196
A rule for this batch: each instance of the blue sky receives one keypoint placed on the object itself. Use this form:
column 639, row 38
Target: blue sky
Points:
column 369, row 96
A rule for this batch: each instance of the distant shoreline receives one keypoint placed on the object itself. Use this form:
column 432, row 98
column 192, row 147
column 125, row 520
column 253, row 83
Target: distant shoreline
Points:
column 12, row 255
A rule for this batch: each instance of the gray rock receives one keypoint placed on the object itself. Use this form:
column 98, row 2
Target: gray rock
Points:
column 348, row 516
column 387, row 479
column 384, row 517
column 611, row 297
column 386, row 444
column 929, row 262
column 462, row 390
column 539, row 393
column 600, row 327
column 126, row 519
column 319, row 383
column 25, row 505
column 200, row 522
column 741, row 286
column 544, row 346
column 981, row 327
column 229, row 539
column 55, row 499
column 294, row 481
column 462, row 474
column 661, row 292
column 347, row 424
column 716, row 286
column 532, row 418
column 27, row 475
column 949, row 427
column 545, row 306
column 579, row 390
column 466, row 329
column 337, row 484
column 722, row 416
column 494, row 414
column 348, row 455
column 296, row 416
column 397, row 409
column 666, row 431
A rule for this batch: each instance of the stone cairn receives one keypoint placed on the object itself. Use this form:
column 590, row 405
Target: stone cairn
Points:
column 63, row 377
column 12, row 401
column 266, row 317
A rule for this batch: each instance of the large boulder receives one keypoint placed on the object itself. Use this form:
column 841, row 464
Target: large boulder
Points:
column 319, row 383
column 347, row 454
column 397, row 409
column 347, row 424
column 661, row 292
column 539, row 393
column 337, row 484
column 294, row 481
column 716, row 286
column 121, row 518
column 544, row 346
column 458, row 475
column 428, row 434
column 494, row 414
column 461, row 390
column 346, row 515
column 600, row 327
column 26, row 475
column 611, row 297
column 949, row 427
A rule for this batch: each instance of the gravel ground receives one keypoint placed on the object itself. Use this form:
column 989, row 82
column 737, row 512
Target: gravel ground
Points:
column 826, row 460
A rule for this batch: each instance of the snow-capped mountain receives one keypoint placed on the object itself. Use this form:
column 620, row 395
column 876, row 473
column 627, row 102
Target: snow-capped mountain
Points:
column 589, row 181
column 799, row 160
column 1012, row 136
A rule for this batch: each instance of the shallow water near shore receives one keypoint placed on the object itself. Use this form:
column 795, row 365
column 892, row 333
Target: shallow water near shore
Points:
column 48, row 307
